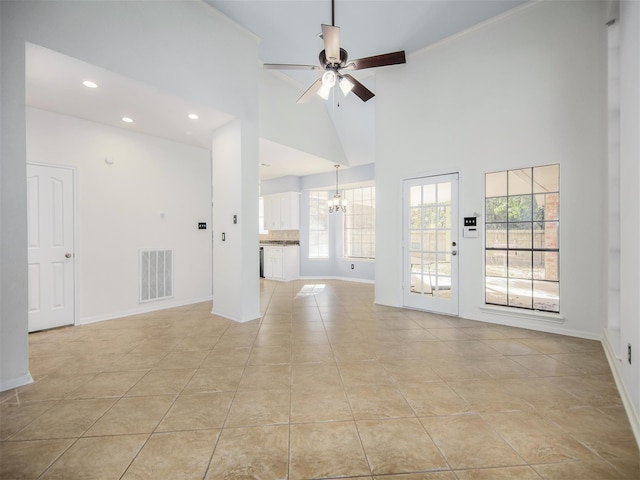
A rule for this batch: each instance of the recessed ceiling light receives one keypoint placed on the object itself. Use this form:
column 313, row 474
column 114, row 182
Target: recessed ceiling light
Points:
column 90, row 84
column 193, row 116
column 127, row 120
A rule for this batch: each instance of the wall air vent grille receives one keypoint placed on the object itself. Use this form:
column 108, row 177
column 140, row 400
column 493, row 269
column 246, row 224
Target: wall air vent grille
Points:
column 156, row 274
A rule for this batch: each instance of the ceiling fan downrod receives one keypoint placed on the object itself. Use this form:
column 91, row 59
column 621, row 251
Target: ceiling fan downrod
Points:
column 334, row 58
column 333, row 16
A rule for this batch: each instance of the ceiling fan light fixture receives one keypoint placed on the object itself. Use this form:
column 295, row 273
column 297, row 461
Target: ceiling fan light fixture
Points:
column 324, row 91
column 333, row 59
column 329, row 78
column 346, row 85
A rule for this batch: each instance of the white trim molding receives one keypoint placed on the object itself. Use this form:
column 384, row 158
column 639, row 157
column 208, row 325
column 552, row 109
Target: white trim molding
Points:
column 16, row 382
column 550, row 317
column 345, row 279
column 161, row 305
column 230, row 316
column 627, row 401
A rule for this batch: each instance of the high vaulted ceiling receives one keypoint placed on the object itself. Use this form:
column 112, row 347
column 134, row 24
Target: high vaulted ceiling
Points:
column 288, row 30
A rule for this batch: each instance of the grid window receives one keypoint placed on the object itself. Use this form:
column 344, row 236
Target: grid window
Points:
column 522, row 249
column 261, row 228
column 359, row 232
column 318, row 225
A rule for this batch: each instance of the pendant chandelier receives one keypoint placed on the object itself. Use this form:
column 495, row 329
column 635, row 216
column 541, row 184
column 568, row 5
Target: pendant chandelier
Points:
column 337, row 204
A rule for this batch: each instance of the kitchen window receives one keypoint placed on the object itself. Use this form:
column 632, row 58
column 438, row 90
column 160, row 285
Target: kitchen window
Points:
column 522, row 238
column 359, row 227
column 318, row 225
column 261, row 229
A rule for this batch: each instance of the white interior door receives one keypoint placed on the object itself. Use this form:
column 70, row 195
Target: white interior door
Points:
column 50, row 193
column 431, row 243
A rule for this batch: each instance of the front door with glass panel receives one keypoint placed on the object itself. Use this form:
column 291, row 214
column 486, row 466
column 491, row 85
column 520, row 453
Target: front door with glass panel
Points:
column 431, row 243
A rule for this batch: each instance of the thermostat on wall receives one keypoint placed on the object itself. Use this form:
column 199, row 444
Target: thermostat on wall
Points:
column 470, row 229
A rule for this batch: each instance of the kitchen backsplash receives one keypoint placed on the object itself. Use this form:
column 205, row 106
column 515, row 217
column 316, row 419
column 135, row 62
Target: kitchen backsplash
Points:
column 280, row 235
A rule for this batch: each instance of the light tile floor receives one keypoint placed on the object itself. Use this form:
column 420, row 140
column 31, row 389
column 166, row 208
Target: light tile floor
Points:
column 326, row 385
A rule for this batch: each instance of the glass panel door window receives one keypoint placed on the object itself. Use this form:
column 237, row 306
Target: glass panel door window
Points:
column 431, row 236
column 522, row 242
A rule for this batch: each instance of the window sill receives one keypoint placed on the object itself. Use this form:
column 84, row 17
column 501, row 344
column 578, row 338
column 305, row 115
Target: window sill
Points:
column 549, row 317
column 358, row 260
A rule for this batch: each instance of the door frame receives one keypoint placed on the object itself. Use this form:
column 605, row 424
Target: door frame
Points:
column 76, row 283
column 431, row 173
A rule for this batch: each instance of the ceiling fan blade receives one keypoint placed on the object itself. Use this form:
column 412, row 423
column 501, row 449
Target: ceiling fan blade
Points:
column 394, row 58
column 286, row 66
column 331, row 37
column 311, row 91
column 359, row 89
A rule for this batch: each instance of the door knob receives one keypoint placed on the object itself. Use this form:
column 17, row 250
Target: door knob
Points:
column 455, row 252
column 68, row 255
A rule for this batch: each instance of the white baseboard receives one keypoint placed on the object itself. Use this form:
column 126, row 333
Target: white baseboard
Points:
column 147, row 308
column 235, row 318
column 16, row 382
column 346, row 279
column 516, row 318
column 539, row 325
column 627, row 402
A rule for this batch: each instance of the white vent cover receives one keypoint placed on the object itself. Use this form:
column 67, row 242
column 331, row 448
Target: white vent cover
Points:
column 156, row 274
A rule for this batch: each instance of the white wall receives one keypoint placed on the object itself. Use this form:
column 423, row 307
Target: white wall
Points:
column 14, row 343
column 289, row 183
column 232, row 287
column 119, row 209
column 306, row 127
column 146, row 41
column 527, row 89
column 630, row 199
column 354, row 121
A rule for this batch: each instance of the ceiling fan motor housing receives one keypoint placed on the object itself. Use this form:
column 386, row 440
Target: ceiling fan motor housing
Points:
column 329, row 65
column 337, row 60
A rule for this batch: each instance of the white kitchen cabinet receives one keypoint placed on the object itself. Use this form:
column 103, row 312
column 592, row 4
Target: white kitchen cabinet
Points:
column 282, row 211
column 273, row 261
column 271, row 212
column 290, row 211
column 282, row 262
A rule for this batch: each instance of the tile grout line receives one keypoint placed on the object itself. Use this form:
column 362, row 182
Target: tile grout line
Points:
column 170, row 406
column 592, row 398
column 355, row 423
column 235, row 392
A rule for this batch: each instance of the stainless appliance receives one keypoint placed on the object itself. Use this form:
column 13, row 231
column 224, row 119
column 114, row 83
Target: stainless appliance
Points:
column 261, row 262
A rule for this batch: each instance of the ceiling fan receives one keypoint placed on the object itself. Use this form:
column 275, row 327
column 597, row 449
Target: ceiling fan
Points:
column 333, row 59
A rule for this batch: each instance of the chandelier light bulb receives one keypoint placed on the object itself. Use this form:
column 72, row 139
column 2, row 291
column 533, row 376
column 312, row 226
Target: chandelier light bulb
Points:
column 337, row 204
